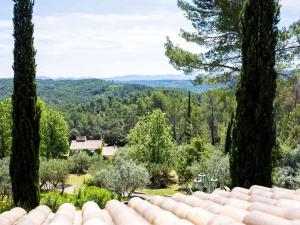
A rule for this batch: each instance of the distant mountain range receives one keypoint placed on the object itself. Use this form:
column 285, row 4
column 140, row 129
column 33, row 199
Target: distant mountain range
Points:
column 159, row 81
column 185, row 85
column 150, row 77
column 182, row 82
column 123, row 77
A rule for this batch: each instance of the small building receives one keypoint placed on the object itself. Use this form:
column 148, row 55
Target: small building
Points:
column 81, row 143
column 109, row 151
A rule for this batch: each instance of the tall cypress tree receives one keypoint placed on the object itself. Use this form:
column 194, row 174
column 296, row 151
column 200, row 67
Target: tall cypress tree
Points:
column 24, row 165
column 254, row 133
column 188, row 122
column 228, row 135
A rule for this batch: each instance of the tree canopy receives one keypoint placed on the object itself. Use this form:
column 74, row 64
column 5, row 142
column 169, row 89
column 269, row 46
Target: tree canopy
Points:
column 217, row 32
column 151, row 141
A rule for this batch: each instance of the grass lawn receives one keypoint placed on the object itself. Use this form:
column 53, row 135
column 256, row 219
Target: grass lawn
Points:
column 172, row 189
column 77, row 180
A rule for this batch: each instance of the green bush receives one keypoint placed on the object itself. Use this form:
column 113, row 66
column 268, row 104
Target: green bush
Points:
column 287, row 174
column 216, row 167
column 6, row 204
column 97, row 163
column 53, row 173
column 123, row 177
column 54, row 199
column 160, row 176
column 195, row 152
column 96, row 194
column 5, row 184
column 79, row 163
column 88, row 181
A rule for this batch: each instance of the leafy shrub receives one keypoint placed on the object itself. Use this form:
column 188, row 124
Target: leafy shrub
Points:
column 6, row 204
column 97, row 163
column 287, row 177
column 195, row 152
column 96, row 194
column 293, row 158
column 79, row 163
column 216, row 167
column 54, row 199
column 151, row 141
column 88, row 181
column 123, row 177
column 160, row 176
column 53, row 173
column 5, row 184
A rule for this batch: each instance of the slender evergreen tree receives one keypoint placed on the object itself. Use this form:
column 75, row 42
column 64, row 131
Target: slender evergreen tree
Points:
column 24, row 165
column 188, row 122
column 254, row 133
column 228, row 139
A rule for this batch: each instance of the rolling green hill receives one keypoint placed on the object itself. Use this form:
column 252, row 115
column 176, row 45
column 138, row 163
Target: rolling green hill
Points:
column 178, row 84
column 66, row 92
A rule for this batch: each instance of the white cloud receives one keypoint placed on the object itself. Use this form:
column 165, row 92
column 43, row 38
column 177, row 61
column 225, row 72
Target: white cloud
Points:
column 92, row 44
column 80, row 44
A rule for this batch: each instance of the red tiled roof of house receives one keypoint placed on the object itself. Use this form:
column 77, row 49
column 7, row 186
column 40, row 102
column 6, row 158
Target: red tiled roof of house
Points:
column 255, row 206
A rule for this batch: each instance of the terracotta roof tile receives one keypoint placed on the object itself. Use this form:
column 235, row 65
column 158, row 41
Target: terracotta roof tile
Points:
column 255, row 206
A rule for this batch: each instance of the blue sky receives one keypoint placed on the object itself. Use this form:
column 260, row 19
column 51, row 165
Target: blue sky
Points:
column 104, row 38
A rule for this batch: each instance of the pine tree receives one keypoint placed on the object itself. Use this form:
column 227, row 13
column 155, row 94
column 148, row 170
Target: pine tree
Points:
column 254, row 133
column 24, row 165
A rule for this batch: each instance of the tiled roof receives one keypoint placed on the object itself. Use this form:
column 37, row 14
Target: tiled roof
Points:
column 255, row 206
column 86, row 145
column 109, row 151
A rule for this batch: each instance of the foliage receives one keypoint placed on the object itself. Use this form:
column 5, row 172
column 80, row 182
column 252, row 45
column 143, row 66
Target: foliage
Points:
column 79, row 163
column 188, row 123
column 98, row 195
column 5, row 128
column 191, row 153
column 254, row 130
column 113, row 112
column 287, row 177
column 53, row 173
column 151, row 141
column 97, row 163
column 217, row 30
column 290, row 127
column 54, row 199
column 216, row 167
column 228, row 140
column 24, row 167
column 160, row 176
column 6, row 205
column 5, row 182
column 123, row 177
column 54, row 134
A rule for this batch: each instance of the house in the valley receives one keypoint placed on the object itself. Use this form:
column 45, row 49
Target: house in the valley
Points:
column 109, row 151
column 82, row 144
column 91, row 146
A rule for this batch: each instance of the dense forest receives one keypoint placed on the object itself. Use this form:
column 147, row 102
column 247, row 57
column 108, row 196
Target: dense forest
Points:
column 162, row 130
column 98, row 108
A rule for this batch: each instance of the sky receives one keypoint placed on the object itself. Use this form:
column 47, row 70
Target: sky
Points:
column 104, row 38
